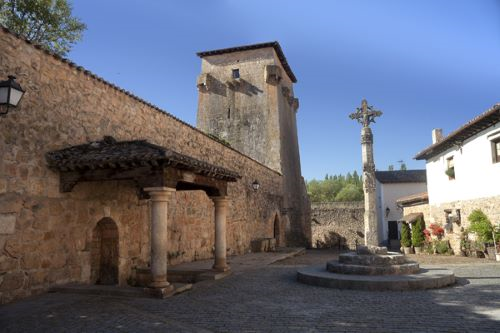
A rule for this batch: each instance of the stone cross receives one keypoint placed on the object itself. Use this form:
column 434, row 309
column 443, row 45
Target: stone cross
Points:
column 366, row 115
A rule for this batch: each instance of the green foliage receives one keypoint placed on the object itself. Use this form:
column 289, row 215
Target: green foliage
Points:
column 442, row 247
column 417, row 232
column 391, row 167
column 405, row 235
column 481, row 226
column 403, row 167
column 45, row 22
column 350, row 192
column 450, row 172
column 336, row 188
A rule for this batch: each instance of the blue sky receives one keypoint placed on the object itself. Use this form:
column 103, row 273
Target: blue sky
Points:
column 424, row 63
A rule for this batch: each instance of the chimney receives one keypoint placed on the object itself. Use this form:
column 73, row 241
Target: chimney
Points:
column 437, row 135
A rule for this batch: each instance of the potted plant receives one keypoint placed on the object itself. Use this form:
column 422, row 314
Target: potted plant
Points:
column 406, row 238
column 417, row 235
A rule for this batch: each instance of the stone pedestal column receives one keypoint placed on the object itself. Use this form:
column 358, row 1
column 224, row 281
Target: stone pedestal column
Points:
column 369, row 188
column 159, row 202
column 221, row 204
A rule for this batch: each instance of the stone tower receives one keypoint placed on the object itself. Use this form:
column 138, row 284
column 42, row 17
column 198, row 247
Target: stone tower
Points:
column 246, row 98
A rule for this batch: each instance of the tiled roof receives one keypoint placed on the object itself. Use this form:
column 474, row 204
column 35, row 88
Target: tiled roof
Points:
column 413, row 199
column 123, row 91
column 457, row 137
column 111, row 154
column 275, row 45
column 401, row 176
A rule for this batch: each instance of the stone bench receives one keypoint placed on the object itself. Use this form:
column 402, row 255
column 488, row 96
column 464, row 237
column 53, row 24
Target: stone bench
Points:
column 263, row 245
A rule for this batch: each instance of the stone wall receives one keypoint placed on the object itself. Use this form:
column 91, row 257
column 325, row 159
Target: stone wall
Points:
column 337, row 224
column 46, row 236
column 490, row 206
column 436, row 214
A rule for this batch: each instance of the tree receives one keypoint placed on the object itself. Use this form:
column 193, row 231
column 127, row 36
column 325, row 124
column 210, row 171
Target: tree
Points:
column 405, row 235
column 417, row 232
column 391, row 167
column 350, row 192
column 45, row 22
column 402, row 167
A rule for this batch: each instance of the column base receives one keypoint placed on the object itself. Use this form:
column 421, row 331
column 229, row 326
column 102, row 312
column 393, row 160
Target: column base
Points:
column 160, row 292
column 221, row 268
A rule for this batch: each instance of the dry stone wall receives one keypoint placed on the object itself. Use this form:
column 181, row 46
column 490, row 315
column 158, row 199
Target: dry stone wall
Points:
column 46, row 236
column 337, row 224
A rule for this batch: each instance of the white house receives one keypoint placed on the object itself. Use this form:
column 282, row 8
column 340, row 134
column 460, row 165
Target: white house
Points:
column 463, row 173
column 392, row 185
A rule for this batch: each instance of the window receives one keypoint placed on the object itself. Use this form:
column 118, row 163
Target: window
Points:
column 450, row 168
column 495, row 150
column 236, row 73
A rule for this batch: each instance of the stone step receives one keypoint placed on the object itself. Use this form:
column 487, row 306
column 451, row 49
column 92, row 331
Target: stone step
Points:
column 114, row 291
column 392, row 258
column 338, row 267
column 426, row 279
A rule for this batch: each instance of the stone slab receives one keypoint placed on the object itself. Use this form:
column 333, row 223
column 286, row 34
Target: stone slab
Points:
column 407, row 268
column 431, row 278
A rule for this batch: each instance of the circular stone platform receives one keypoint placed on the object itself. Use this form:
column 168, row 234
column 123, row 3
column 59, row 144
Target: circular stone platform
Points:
column 406, row 268
column 424, row 279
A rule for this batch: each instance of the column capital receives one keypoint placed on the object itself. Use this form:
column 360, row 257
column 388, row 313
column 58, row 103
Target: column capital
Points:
column 222, row 200
column 159, row 193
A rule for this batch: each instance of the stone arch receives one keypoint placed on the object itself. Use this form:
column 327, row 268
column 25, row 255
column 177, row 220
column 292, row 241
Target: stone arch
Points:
column 104, row 252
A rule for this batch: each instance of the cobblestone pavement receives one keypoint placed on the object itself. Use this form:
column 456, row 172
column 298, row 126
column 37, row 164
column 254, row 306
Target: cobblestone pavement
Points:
column 270, row 300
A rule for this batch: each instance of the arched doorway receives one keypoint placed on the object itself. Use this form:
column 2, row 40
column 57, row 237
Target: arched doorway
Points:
column 104, row 253
column 277, row 230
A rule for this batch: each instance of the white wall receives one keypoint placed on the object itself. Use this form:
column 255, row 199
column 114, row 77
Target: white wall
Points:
column 476, row 176
column 387, row 194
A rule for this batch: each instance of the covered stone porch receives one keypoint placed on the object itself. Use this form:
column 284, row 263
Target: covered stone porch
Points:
column 157, row 173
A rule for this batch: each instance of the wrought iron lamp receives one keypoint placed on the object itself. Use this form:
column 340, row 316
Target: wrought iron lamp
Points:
column 387, row 211
column 10, row 94
column 255, row 185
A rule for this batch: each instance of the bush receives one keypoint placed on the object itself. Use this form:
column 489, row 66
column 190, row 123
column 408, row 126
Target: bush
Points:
column 405, row 235
column 481, row 226
column 442, row 247
column 417, row 232
column 437, row 230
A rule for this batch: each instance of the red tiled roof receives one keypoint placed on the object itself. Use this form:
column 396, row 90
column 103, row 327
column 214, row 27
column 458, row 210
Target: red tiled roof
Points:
column 414, row 199
column 275, row 45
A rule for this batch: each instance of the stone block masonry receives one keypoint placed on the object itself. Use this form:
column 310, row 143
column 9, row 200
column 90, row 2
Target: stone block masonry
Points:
column 46, row 237
column 337, row 224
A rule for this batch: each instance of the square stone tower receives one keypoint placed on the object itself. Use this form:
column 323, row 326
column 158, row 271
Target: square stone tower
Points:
column 246, row 98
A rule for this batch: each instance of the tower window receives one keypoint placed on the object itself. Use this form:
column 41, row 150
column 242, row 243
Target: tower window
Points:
column 236, row 73
column 228, row 113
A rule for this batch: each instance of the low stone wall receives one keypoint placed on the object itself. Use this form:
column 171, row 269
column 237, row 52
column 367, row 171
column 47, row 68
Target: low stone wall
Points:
column 337, row 224
column 436, row 214
column 490, row 206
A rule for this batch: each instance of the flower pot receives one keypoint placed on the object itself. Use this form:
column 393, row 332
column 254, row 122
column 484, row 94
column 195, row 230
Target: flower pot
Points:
column 407, row 250
column 418, row 249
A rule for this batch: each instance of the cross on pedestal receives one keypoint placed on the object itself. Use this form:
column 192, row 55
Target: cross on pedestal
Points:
column 365, row 114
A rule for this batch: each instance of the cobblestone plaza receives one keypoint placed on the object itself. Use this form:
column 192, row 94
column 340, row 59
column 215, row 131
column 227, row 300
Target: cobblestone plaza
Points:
column 270, row 299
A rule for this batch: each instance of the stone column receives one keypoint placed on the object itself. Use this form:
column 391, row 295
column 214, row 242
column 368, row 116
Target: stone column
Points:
column 159, row 228
column 221, row 204
column 369, row 188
